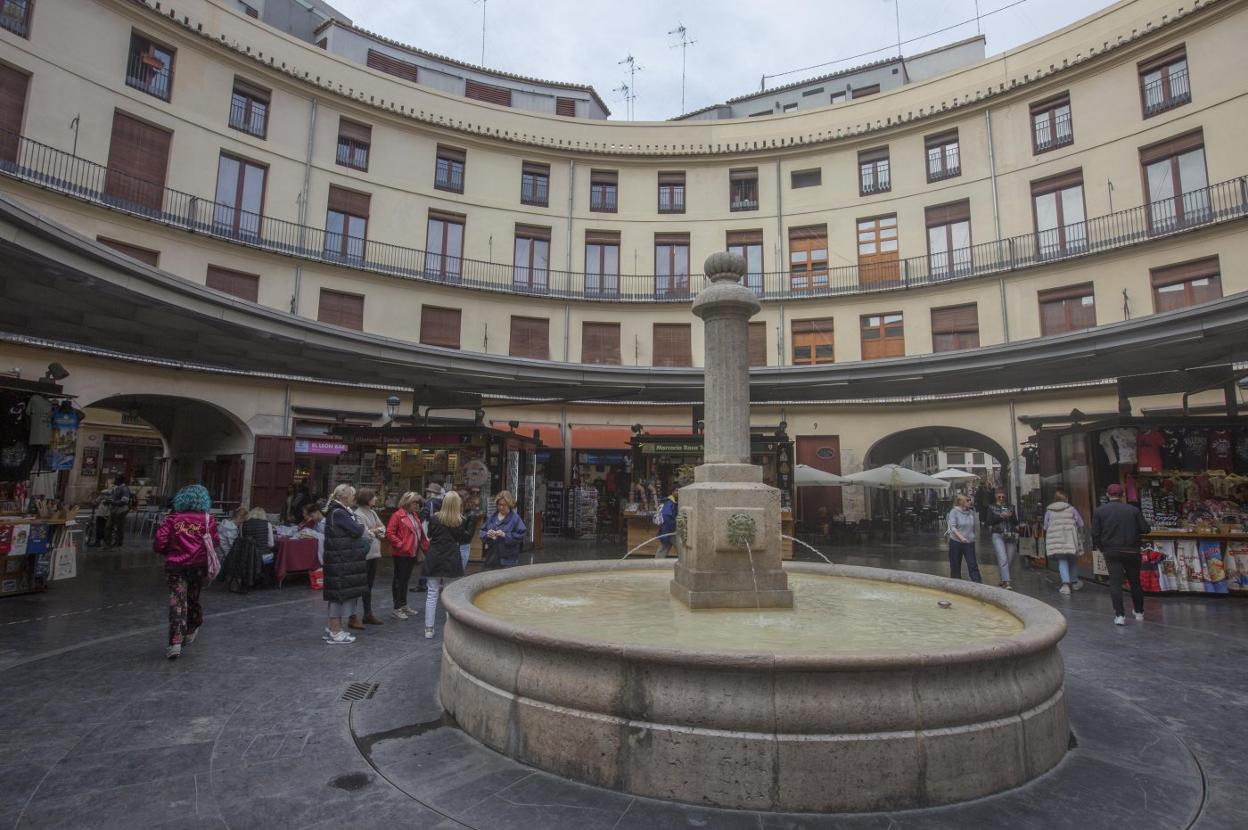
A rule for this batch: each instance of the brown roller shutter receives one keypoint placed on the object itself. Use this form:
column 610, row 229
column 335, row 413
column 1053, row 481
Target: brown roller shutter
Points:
column 671, row 239
column 341, row 309
column 600, row 343
column 532, row 232
column 954, row 319
column 1172, row 146
column 743, row 174
column 355, row 131
column 447, row 216
column 602, row 237
column 138, row 160
column 808, row 232
column 758, row 344
column 565, row 106
column 239, row 283
column 875, row 154
column 1185, row 271
column 823, row 324
column 952, row 212
column 673, row 344
column 13, row 85
column 1073, row 178
column 672, row 178
column 1069, row 292
column 863, row 91
column 146, row 255
column 249, row 89
column 348, row 201
column 750, row 237
column 604, row 176
column 530, row 337
column 488, row 92
column 392, row 66
column 440, row 326
column 940, row 139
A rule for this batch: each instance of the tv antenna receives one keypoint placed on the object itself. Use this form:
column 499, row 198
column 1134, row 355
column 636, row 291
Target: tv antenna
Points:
column 483, row 6
column 627, row 93
column 633, row 69
column 684, row 44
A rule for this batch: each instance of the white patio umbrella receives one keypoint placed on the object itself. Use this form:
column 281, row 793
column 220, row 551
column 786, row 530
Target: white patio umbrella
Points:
column 894, row 478
column 954, row 475
column 807, row 476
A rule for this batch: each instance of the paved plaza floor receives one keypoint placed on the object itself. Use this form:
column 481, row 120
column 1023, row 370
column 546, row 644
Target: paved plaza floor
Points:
column 254, row 726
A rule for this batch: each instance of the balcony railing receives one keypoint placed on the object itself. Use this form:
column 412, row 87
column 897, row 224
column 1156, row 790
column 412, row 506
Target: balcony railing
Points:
column 1159, row 97
column 149, row 74
column 56, row 170
column 1054, row 131
column 602, row 199
column 15, row 16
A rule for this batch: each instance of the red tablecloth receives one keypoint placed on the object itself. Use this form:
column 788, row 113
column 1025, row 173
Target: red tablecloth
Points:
column 295, row 555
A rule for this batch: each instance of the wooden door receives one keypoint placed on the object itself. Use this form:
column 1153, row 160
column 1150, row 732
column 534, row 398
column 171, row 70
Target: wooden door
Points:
column 12, row 107
column 138, row 161
column 823, row 452
column 273, row 471
column 877, row 250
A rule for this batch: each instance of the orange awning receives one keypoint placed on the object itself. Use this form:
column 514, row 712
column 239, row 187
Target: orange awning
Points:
column 614, row 437
column 550, row 437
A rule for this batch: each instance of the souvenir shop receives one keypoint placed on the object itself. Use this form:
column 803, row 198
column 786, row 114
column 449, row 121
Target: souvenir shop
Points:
column 1188, row 474
column 38, row 446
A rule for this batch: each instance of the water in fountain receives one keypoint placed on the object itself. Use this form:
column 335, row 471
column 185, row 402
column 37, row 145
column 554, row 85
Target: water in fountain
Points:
column 753, row 575
column 620, row 561
column 808, row 547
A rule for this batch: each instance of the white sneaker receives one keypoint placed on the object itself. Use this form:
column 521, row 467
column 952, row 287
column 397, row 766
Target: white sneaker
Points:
column 190, row 636
column 1078, row 584
column 428, row 632
column 341, row 637
column 1064, row 590
column 174, row 652
column 399, row 614
column 1139, row 616
column 327, row 634
column 1120, row 620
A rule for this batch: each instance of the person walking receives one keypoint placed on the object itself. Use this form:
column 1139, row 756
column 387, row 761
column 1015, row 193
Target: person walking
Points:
column 119, row 498
column 1116, row 531
column 667, row 524
column 375, row 529
column 346, row 571
column 1003, row 522
column 449, row 528
column 503, row 533
column 1063, row 540
column 960, row 527
column 407, row 539
column 183, row 539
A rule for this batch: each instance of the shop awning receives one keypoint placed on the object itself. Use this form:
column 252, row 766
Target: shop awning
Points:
column 614, row 437
column 550, row 436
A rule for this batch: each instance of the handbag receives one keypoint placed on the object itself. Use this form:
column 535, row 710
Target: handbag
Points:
column 492, row 559
column 214, row 563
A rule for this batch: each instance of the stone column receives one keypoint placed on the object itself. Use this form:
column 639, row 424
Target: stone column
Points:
column 726, row 307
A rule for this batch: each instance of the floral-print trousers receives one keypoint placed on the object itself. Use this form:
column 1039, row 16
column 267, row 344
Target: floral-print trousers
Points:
column 185, row 612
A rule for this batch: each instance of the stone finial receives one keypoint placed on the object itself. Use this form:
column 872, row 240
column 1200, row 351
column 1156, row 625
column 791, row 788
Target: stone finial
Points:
column 722, row 266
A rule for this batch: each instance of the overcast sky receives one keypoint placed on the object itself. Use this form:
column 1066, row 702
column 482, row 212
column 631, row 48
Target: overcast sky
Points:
column 737, row 41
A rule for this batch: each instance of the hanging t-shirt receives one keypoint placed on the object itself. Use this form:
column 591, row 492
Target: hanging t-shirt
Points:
column 1120, row 445
column 1148, row 450
column 39, row 410
column 1172, row 449
column 1195, row 449
column 1221, row 450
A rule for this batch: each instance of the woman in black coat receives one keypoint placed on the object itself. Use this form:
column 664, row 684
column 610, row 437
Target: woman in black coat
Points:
column 448, row 529
column 346, row 571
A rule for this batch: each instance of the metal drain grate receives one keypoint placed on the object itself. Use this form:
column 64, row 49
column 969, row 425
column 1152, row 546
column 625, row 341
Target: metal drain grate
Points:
column 360, row 691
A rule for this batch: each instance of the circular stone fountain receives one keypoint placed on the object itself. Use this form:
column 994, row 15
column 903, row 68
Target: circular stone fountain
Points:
column 733, row 680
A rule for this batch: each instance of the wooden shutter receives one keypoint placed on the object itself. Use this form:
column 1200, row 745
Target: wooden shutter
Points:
column 273, row 470
column 535, row 168
column 816, row 232
column 602, row 237
column 671, row 239
column 566, row 107
column 1073, row 178
column 604, row 177
column 1185, row 271
column 440, row 326
column 750, row 237
column 392, row 66
column 532, row 232
column 673, row 344
column 239, row 283
column 487, row 92
column 530, row 337
column 138, row 160
column 955, row 319
column 341, row 309
column 758, row 344
column 950, row 213
column 863, row 91
column 146, row 255
column 672, row 178
column 600, row 343
column 1172, row 147
column 13, row 85
column 355, row 131
column 1069, row 292
column 351, row 202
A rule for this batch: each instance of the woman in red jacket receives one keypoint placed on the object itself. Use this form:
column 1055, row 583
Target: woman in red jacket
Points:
column 407, row 541
column 183, row 539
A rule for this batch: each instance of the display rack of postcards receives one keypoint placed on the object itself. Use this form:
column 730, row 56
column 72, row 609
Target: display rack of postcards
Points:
column 585, row 513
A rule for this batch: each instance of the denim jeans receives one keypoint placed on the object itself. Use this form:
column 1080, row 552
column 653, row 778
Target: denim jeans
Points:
column 464, row 551
column 1006, row 550
column 433, row 586
column 959, row 551
column 1068, row 567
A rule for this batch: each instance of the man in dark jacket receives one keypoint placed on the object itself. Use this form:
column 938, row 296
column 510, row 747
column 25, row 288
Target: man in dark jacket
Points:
column 1116, row 531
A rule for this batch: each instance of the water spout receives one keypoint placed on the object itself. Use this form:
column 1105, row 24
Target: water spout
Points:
column 753, row 575
column 817, row 552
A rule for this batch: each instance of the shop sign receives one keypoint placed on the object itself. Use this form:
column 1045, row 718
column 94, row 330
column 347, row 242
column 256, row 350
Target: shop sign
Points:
column 133, row 441
column 671, row 449
column 425, row 439
column 307, row 446
column 604, row 458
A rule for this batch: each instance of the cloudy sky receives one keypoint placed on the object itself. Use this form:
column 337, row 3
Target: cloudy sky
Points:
column 737, row 41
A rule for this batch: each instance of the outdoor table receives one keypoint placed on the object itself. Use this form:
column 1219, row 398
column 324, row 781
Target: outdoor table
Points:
column 295, row 555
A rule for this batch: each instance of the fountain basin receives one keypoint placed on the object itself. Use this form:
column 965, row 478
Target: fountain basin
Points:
column 730, row 714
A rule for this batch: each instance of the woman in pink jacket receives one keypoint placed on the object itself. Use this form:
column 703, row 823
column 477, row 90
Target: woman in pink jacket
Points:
column 183, row 540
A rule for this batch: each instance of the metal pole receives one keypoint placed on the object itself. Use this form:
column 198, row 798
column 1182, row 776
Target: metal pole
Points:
column 996, row 222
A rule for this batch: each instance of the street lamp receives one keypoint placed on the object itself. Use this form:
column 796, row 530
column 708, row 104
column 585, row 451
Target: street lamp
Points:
column 392, row 406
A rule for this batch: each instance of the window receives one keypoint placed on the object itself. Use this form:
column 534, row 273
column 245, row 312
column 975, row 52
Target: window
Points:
column 1063, row 310
column 240, row 196
column 673, row 344
column 487, row 92
column 530, row 337
column 812, row 342
column 444, row 246
column 864, row 91
column 949, row 239
column 883, row 335
column 565, row 107
column 531, row 269
column 238, row 283
column 600, row 343
column 1188, row 283
column 249, row 11
column 743, row 189
column 535, row 184
column 392, row 66
column 759, row 114
column 873, row 173
column 955, row 327
column 15, row 16
column 749, row 246
column 1178, row 186
column 1058, row 206
column 13, row 85
column 808, row 257
column 806, row 178
column 146, row 255
column 346, row 223
column 439, row 326
column 1163, row 82
column 671, row 192
column 955, row 457
column 977, row 458
column 877, row 250
column 354, row 141
column 944, row 158
column 758, row 344
column 789, row 107
column 249, row 108
column 837, row 98
column 448, row 171
column 602, row 190
column 671, row 265
column 602, row 262
column 149, row 67
column 1051, row 124
column 138, row 160
column 341, row 309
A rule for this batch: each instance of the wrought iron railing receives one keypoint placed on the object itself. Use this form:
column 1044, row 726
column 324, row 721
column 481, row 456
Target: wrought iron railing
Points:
column 1167, row 93
column 48, row 167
